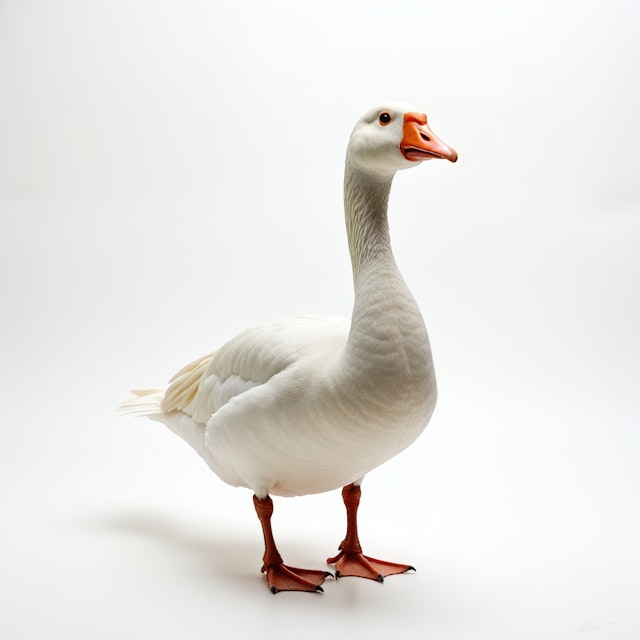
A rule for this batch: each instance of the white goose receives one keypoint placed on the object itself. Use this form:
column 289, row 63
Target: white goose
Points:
column 312, row 404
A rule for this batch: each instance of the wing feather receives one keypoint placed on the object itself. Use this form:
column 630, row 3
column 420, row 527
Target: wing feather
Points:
column 250, row 359
column 184, row 385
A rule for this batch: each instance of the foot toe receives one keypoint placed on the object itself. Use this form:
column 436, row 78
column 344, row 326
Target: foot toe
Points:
column 280, row 577
column 361, row 566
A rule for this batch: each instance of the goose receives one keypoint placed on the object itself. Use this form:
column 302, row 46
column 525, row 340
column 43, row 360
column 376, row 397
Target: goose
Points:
column 312, row 404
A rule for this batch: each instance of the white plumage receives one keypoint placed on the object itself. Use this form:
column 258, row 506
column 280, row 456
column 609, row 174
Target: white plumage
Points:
column 312, row 404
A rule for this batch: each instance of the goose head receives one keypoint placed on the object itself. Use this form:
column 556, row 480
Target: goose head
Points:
column 394, row 137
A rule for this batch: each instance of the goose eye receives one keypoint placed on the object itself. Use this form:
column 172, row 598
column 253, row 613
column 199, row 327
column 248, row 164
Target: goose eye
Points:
column 384, row 118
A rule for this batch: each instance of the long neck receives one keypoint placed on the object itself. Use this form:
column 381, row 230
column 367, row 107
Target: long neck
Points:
column 387, row 358
column 384, row 310
column 365, row 203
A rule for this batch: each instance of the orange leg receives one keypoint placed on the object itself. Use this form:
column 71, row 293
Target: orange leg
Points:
column 350, row 561
column 280, row 577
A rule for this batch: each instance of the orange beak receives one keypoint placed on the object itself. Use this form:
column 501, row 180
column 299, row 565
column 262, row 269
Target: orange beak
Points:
column 419, row 142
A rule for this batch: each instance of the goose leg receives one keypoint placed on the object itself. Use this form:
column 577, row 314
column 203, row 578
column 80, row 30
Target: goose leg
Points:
column 280, row 577
column 350, row 561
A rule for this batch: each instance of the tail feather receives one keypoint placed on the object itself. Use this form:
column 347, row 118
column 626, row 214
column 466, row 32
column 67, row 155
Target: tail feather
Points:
column 147, row 402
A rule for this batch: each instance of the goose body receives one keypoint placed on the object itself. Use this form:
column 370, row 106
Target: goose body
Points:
column 312, row 403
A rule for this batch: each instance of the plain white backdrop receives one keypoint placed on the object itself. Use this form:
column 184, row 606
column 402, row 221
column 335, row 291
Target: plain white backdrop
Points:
column 170, row 173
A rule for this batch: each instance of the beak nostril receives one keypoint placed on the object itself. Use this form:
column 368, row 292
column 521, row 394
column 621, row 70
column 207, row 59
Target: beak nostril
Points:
column 425, row 137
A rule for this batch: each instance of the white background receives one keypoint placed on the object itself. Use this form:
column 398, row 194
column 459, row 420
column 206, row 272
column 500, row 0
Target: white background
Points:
column 170, row 173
